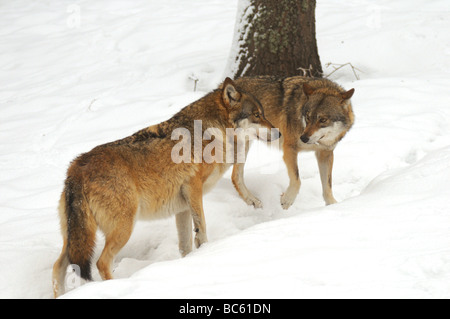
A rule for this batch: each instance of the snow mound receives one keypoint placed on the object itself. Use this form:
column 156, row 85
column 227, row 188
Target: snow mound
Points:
column 390, row 241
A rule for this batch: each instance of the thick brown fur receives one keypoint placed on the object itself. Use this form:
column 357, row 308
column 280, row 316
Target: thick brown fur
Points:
column 300, row 107
column 115, row 184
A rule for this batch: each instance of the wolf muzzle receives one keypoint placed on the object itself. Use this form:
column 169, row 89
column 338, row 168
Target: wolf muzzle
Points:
column 304, row 139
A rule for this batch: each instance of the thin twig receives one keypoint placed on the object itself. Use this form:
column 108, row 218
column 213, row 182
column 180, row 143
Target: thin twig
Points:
column 337, row 67
column 92, row 103
column 307, row 72
column 195, row 79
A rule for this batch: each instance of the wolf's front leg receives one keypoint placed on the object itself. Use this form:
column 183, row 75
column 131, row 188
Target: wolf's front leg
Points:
column 290, row 157
column 184, row 227
column 239, row 184
column 325, row 161
column 193, row 193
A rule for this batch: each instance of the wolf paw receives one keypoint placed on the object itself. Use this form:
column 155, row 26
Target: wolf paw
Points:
column 186, row 251
column 255, row 202
column 330, row 201
column 287, row 200
column 200, row 239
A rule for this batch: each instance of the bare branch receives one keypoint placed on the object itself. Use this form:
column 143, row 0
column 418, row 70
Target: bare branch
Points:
column 194, row 78
column 337, row 67
column 307, row 72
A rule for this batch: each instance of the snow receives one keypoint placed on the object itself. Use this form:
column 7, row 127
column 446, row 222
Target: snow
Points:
column 81, row 73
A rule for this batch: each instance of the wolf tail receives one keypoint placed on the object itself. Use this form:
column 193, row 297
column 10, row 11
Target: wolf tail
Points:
column 78, row 229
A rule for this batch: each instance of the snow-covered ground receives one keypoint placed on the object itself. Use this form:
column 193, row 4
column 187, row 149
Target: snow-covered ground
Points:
column 75, row 74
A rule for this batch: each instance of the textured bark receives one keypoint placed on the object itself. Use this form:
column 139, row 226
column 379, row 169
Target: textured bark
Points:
column 275, row 37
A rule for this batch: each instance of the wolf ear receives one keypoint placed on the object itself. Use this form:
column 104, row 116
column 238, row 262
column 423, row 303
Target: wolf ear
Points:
column 308, row 89
column 348, row 95
column 230, row 94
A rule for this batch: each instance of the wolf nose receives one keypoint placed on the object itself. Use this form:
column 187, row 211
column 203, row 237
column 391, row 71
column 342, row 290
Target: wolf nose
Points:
column 305, row 139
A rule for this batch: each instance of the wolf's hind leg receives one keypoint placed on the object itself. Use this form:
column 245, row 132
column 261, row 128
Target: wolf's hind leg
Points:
column 59, row 272
column 115, row 241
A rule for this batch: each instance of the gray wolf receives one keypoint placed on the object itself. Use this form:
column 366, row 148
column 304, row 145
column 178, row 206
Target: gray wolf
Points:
column 312, row 114
column 137, row 177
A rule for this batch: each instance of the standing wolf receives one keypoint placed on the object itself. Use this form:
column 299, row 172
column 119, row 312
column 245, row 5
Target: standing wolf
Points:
column 113, row 185
column 312, row 115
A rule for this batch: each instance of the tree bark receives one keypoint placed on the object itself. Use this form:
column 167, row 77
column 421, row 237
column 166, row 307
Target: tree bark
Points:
column 275, row 37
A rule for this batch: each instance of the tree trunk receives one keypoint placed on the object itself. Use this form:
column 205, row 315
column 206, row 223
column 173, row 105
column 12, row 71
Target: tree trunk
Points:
column 275, row 37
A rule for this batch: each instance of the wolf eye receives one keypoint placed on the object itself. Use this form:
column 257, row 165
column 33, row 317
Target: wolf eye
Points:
column 323, row 120
column 257, row 115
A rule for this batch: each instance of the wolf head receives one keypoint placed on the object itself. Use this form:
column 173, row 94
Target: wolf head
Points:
column 326, row 116
column 247, row 113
